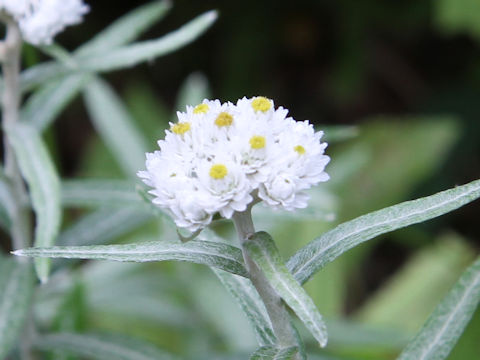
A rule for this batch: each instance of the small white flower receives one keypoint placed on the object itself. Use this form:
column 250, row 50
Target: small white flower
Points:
column 218, row 157
column 41, row 20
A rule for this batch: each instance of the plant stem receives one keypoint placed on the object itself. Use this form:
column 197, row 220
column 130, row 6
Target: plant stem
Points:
column 276, row 309
column 10, row 56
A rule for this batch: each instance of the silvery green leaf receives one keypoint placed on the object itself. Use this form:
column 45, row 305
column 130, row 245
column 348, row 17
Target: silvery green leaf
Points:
column 274, row 353
column 193, row 90
column 38, row 170
column 127, row 28
column 223, row 256
column 447, row 322
column 16, row 288
column 115, row 125
column 99, row 192
column 261, row 248
column 131, row 55
column 120, row 57
column 252, row 305
column 311, row 258
column 103, row 225
column 100, row 346
column 60, row 54
column 45, row 104
column 335, row 134
column 7, row 203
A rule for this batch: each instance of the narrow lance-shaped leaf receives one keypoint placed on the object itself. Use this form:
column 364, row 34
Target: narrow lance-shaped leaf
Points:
column 447, row 322
column 223, row 256
column 16, row 288
column 261, row 248
column 115, row 125
column 38, row 170
column 274, row 353
column 121, row 57
column 100, row 346
column 7, row 203
column 127, row 28
column 311, row 258
column 131, row 55
column 48, row 102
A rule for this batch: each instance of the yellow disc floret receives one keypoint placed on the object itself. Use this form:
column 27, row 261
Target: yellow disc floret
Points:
column 201, row 109
column 218, row 171
column 261, row 104
column 224, row 119
column 257, row 142
column 180, row 128
column 299, row 149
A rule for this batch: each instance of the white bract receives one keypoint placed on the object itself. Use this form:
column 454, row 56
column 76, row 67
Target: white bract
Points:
column 41, row 20
column 219, row 158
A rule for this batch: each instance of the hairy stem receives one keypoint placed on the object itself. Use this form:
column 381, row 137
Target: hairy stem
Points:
column 277, row 311
column 10, row 57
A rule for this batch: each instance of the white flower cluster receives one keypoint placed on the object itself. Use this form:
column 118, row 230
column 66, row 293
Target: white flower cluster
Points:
column 41, row 20
column 218, row 158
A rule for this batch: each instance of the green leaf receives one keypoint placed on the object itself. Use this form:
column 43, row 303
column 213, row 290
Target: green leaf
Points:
column 16, row 288
column 100, row 347
column 115, row 125
column 223, row 256
column 193, row 90
column 7, row 203
column 311, row 258
column 264, row 253
column 250, row 302
column 458, row 16
column 131, row 55
column 48, row 102
column 339, row 133
column 274, row 353
column 121, row 57
column 39, row 172
column 443, row 328
column 103, row 225
column 127, row 28
column 96, row 193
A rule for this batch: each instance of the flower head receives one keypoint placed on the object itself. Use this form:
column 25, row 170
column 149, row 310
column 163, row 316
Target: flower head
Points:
column 219, row 157
column 41, row 20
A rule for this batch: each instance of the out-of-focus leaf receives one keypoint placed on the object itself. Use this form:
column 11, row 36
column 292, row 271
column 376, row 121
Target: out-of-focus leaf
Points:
column 311, row 258
column 127, row 28
column 193, row 90
column 247, row 297
column 16, row 288
column 274, row 353
column 443, row 328
column 223, row 256
column 114, row 124
column 46, row 104
column 100, row 347
column 103, row 225
column 96, row 193
column 458, row 16
column 440, row 265
column 7, row 203
column 39, row 172
column 131, row 55
column 60, row 54
column 264, row 253
column 335, row 134
column 40, row 74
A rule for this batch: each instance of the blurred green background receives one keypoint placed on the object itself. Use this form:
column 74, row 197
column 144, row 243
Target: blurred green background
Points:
column 402, row 78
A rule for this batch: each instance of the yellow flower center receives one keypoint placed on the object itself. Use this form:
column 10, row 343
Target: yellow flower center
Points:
column 180, row 128
column 257, row 142
column 224, row 119
column 299, row 149
column 261, row 104
column 201, row 109
column 218, row 171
